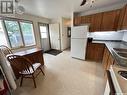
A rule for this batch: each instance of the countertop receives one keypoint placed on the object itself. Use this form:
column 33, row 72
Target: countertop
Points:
column 116, row 44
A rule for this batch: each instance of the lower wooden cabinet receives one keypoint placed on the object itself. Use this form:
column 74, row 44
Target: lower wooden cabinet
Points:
column 108, row 60
column 105, row 58
column 94, row 52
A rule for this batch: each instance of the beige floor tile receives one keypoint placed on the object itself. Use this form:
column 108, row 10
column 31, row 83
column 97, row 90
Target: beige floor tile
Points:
column 66, row 76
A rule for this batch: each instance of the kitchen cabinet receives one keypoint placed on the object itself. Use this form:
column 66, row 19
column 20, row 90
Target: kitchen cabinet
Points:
column 105, row 58
column 124, row 24
column 110, row 62
column 86, row 19
column 96, row 22
column 94, row 52
column 105, row 21
column 121, row 16
column 77, row 21
column 109, row 21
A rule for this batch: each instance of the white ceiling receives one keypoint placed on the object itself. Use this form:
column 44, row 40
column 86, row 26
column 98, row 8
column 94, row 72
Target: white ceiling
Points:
column 62, row 8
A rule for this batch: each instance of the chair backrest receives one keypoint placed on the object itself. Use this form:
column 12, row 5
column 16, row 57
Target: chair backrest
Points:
column 19, row 64
column 5, row 50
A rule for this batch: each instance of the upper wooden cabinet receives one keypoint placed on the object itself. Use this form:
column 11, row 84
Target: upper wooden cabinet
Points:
column 86, row 19
column 96, row 22
column 106, row 21
column 77, row 21
column 109, row 21
column 121, row 16
column 124, row 24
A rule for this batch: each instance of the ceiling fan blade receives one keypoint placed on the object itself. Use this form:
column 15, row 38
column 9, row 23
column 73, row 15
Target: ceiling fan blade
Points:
column 83, row 2
column 17, row 0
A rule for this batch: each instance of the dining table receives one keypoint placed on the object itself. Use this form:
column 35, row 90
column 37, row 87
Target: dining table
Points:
column 35, row 55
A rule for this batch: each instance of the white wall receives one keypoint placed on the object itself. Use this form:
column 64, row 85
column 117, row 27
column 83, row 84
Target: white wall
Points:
column 65, row 41
column 125, row 36
column 35, row 20
column 107, row 35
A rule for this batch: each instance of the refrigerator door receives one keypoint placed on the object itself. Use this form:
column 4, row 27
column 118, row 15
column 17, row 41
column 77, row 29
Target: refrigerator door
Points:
column 79, row 32
column 78, row 48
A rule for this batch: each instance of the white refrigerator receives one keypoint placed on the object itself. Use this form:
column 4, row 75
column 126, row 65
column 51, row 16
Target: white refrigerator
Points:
column 79, row 41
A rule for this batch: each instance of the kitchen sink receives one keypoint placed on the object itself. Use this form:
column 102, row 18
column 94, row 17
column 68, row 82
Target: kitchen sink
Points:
column 120, row 50
column 124, row 55
column 121, row 56
column 123, row 74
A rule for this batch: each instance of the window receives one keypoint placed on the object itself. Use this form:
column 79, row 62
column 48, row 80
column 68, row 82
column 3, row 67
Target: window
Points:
column 3, row 40
column 28, row 34
column 19, row 33
column 43, row 30
column 14, row 33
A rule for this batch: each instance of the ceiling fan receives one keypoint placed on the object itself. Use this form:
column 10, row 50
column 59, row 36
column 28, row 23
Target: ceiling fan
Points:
column 86, row 1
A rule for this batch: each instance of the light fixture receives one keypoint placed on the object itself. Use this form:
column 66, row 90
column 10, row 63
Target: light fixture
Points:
column 18, row 8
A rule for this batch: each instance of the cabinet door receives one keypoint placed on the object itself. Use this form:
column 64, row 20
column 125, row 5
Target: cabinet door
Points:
column 89, row 52
column 96, row 22
column 109, row 21
column 99, row 50
column 86, row 19
column 95, row 52
column 124, row 25
column 105, row 58
column 121, row 16
column 110, row 62
column 77, row 21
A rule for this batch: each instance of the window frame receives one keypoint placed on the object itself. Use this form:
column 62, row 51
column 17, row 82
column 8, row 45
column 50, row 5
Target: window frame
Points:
column 44, row 32
column 21, row 33
column 32, row 29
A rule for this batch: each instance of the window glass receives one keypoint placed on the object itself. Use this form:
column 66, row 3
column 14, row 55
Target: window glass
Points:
column 43, row 30
column 28, row 33
column 14, row 34
column 3, row 40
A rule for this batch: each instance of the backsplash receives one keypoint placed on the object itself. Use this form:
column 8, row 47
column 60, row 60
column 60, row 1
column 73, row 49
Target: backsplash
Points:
column 107, row 35
column 125, row 36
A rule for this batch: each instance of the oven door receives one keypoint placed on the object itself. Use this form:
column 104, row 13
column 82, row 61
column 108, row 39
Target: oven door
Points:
column 110, row 89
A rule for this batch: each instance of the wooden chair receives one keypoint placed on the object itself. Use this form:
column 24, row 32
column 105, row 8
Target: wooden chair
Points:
column 5, row 50
column 24, row 67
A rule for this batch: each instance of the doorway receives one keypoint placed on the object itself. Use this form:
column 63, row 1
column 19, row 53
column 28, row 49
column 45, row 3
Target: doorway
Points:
column 45, row 40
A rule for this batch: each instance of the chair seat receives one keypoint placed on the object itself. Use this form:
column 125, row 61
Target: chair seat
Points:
column 35, row 67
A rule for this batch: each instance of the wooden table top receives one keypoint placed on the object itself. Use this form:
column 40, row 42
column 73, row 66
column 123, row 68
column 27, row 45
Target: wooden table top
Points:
column 29, row 51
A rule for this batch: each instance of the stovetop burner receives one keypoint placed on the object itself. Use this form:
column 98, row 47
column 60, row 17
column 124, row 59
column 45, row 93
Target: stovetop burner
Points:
column 123, row 74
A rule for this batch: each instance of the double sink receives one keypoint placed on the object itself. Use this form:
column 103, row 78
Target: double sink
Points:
column 121, row 56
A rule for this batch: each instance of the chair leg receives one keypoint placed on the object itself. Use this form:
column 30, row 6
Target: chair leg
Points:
column 34, row 81
column 21, row 80
column 42, row 72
